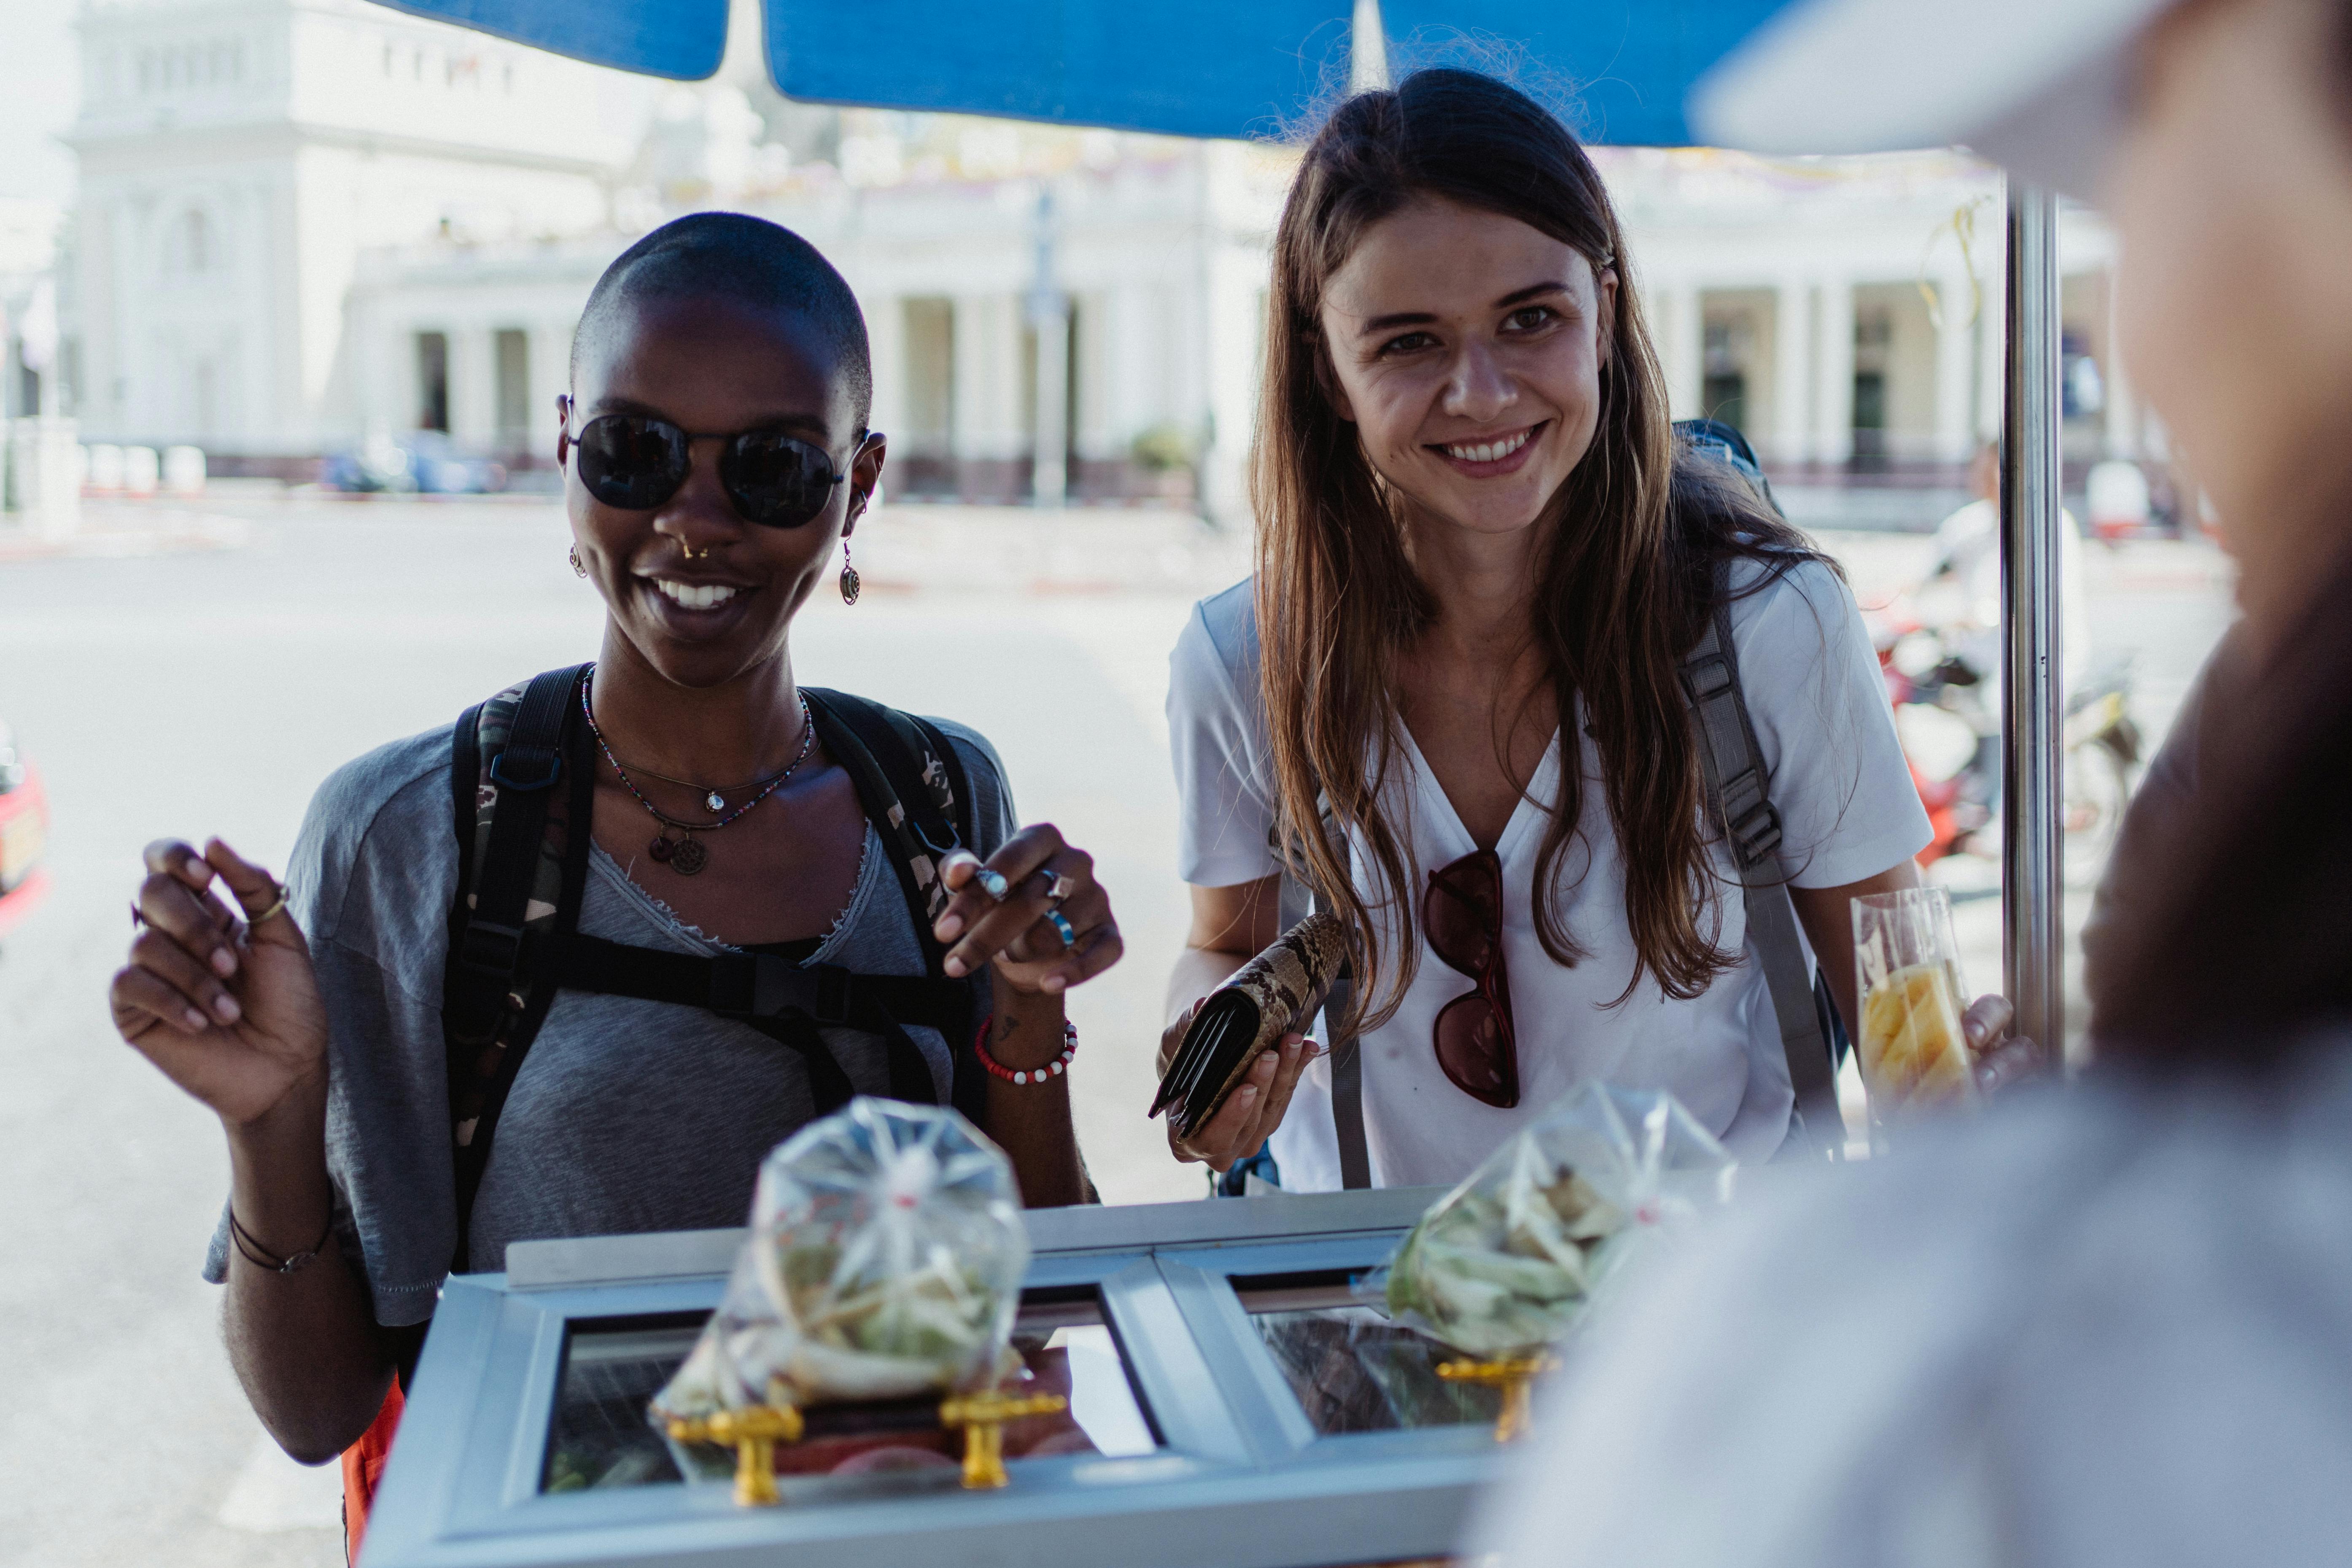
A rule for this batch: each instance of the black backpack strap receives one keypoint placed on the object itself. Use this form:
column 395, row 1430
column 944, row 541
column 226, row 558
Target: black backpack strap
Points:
column 913, row 787
column 514, row 940
column 519, row 870
column 785, row 1001
column 1738, row 794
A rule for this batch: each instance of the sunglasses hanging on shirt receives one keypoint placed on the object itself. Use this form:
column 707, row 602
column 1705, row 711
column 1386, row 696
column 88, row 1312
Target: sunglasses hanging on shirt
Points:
column 1474, row 1037
column 636, row 462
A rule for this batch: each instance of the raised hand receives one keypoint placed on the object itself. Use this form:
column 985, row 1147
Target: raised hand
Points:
column 1034, row 910
column 219, row 992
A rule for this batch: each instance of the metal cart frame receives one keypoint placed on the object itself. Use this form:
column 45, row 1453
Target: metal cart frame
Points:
column 1241, row 1477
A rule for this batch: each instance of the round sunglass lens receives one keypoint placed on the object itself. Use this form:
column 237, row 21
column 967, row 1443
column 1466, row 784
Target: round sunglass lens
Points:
column 1473, row 1050
column 1458, row 930
column 631, row 463
column 777, row 480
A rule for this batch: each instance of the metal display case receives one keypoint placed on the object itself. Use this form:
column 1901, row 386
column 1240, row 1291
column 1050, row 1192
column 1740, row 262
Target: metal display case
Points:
column 1230, row 1403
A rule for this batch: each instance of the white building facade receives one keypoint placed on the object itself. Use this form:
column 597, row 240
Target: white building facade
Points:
column 304, row 223
column 1154, row 272
column 239, row 156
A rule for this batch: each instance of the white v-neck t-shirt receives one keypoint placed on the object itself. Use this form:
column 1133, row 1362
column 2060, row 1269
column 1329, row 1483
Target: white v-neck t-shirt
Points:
column 1848, row 811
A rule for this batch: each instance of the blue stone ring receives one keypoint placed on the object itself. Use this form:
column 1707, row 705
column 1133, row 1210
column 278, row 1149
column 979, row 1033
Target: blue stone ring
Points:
column 992, row 882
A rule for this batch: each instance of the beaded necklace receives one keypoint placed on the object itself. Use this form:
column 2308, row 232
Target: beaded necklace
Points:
column 685, row 855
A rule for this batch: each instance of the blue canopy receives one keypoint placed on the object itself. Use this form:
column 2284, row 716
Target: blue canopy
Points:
column 1203, row 67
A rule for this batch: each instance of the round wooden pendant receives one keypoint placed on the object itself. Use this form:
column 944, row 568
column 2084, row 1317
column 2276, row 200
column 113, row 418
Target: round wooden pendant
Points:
column 661, row 848
column 689, row 857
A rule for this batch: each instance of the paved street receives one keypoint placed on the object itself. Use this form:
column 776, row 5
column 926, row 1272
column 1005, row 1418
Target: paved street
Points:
column 208, row 691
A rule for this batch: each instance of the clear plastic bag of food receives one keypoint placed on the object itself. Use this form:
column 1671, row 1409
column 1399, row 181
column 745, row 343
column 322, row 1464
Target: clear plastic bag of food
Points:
column 1913, row 1047
column 885, row 1261
column 1501, row 1266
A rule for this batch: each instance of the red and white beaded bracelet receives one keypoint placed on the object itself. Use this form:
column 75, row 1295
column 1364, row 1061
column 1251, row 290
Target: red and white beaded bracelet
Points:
column 1053, row 1069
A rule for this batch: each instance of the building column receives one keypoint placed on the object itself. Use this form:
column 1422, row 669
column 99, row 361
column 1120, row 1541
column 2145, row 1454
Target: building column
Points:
column 885, row 333
column 1685, row 351
column 1956, row 368
column 1236, row 312
column 988, row 413
column 1049, row 471
column 1793, row 371
column 1832, row 439
column 1135, row 364
column 473, row 387
column 548, row 350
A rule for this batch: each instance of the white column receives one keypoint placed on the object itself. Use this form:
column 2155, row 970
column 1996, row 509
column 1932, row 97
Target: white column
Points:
column 473, row 387
column 987, row 377
column 1049, row 482
column 1956, row 367
column 1137, row 374
column 972, row 423
column 548, row 348
column 1833, row 385
column 1237, row 321
column 1793, row 371
column 1680, row 313
column 886, row 335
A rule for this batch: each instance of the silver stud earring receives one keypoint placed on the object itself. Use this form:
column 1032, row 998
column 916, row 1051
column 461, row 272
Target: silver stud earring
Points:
column 577, row 569
column 848, row 576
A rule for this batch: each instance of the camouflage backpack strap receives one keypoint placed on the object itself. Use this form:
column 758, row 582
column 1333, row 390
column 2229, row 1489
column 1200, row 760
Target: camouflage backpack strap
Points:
column 520, row 872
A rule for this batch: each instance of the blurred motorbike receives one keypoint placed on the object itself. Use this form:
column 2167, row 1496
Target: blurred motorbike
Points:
column 1949, row 720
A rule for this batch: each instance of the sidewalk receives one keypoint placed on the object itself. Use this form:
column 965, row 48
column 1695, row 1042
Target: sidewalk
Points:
column 115, row 530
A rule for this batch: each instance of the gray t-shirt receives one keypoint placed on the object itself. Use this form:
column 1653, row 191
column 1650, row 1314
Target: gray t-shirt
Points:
column 627, row 1115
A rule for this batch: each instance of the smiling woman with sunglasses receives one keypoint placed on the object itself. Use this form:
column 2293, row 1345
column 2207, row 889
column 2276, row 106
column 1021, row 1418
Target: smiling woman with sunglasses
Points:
column 1450, row 701
column 688, row 904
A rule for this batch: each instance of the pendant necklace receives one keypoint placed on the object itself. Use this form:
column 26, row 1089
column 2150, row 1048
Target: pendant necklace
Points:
column 685, row 854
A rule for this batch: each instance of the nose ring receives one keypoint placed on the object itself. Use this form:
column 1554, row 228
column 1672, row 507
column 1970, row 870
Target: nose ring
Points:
column 691, row 554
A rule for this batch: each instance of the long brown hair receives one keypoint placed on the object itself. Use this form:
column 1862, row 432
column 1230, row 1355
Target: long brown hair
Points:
column 1626, row 575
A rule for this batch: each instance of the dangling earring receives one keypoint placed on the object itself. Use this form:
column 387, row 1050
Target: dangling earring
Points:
column 848, row 576
column 577, row 569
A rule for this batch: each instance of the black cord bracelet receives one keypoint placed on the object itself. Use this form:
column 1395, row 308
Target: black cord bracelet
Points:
column 260, row 1256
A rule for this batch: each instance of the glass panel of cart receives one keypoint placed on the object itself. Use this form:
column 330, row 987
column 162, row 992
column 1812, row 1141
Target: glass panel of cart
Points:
column 1349, row 1367
column 599, row 1436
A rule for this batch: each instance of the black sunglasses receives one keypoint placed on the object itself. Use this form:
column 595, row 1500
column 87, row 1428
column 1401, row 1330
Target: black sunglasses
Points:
column 636, row 462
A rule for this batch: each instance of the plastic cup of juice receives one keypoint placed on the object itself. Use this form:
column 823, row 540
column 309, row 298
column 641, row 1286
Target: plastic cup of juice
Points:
column 1915, row 1055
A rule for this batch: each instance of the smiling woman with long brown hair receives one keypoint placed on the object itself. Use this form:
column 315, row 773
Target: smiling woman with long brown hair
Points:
column 1478, row 535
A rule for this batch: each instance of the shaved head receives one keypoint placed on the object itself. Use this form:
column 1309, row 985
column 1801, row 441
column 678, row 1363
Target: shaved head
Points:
column 745, row 261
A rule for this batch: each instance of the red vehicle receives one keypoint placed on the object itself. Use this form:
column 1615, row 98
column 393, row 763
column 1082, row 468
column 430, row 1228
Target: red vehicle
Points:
column 1947, row 717
column 24, row 835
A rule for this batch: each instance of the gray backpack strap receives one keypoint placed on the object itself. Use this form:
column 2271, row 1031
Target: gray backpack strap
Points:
column 1347, row 1094
column 1737, row 792
column 1347, row 1058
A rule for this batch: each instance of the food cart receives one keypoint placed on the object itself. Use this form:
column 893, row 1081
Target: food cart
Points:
column 1229, row 1401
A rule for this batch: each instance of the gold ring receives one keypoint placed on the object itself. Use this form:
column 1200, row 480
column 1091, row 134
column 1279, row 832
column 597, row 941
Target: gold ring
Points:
column 272, row 912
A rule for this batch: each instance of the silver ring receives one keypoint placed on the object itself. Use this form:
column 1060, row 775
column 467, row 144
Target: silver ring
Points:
column 1059, row 885
column 992, row 882
column 1062, row 927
